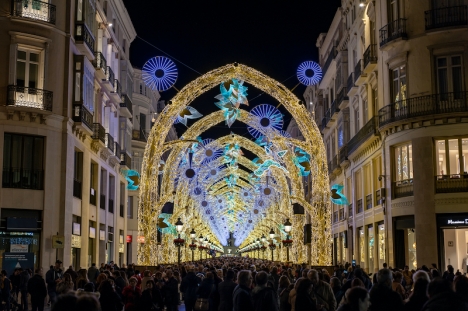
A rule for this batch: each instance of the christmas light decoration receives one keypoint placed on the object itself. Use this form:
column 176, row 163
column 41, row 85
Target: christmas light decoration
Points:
column 159, row 73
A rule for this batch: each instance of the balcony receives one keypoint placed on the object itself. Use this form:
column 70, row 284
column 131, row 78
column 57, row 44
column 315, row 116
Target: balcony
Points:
column 359, row 206
column 102, row 201
column 116, row 93
column 83, row 118
column 117, row 151
column 121, row 210
column 34, row 10
column 110, row 208
column 99, row 133
column 334, row 109
column 335, row 217
column 341, row 214
column 28, row 97
column 403, row 188
column 333, row 165
column 92, row 197
column 77, row 188
column 100, row 63
column 109, row 142
column 109, row 79
column 23, row 178
column 84, row 40
column 446, row 17
column 125, row 159
column 126, row 106
column 368, row 201
column 369, row 130
column 359, row 75
column 350, row 210
column 394, row 30
column 451, row 183
column 370, row 58
column 342, row 98
column 330, row 58
column 351, row 87
column 139, row 135
column 343, row 154
column 429, row 105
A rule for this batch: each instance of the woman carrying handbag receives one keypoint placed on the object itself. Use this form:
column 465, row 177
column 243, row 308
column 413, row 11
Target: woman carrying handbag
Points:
column 203, row 292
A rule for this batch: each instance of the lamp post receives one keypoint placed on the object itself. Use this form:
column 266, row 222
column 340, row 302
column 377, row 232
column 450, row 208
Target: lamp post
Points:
column 205, row 243
column 193, row 235
column 258, row 248
column 272, row 245
column 179, row 226
column 287, row 228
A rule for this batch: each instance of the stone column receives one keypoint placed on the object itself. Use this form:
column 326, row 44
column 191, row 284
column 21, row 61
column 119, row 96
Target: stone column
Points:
column 424, row 201
column 85, row 194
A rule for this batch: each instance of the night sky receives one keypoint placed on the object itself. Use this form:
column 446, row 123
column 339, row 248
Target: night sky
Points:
column 273, row 37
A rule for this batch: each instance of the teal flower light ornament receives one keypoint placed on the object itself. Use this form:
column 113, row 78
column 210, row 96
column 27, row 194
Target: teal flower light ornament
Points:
column 233, row 94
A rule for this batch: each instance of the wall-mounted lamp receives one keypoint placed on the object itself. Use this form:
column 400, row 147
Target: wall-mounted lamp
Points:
column 362, row 3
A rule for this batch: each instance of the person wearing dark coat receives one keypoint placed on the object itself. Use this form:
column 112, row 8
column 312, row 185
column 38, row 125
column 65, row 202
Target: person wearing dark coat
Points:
column 303, row 299
column 37, row 289
column 108, row 298
column 357, row 300
column 23, row 287
column 264, row 297
column 226, row 291
column 242, row 300
column 284, row 289
column 53, row 276
column 170, row 292
column 150, row 298
column 274, row 277
column 214, row 295
column 442, row 298
column 189, row 287
column 131, row 295
column 206, row 286
column 93, row 273
column 418, row 297
column 382, row 297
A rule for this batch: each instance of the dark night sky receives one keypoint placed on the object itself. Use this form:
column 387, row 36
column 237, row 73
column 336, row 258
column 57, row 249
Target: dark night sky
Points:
column 273, row 37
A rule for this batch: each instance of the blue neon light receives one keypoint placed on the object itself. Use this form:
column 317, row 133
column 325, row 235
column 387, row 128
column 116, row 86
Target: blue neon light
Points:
column 159, row 73
column 268, row 117
column 306, row 79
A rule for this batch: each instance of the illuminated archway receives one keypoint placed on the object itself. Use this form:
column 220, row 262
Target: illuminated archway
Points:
column 318, row 208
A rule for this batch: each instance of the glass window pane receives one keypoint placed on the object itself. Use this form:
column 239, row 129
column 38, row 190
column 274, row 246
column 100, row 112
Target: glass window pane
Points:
column 362, row 245
column 456, row 60
column 442, row 62
column 27, row 152
column 16, row 152
column 33, row 57
column 370, row 250
column 6, row 151
column 441, row 158
column 404, row 162
column 381, row 245
column 398, row 164
column 410, row 161
column 457, row 82
column 465, row 155
column 33, row 75
column 21, row 55
column 38, row 153
column 442, row 81
column 454, row 156
column 403, row 71
column 20, row 73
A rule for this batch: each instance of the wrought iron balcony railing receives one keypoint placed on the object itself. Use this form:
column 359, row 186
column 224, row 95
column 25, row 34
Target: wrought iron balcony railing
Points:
column 110, row 77
column 117, row 88
column 33, row 9
column 126, row 103
column 359, row 206
column 403, row 188
column 451, row 183
column 330, row 57
column 29, row 97
column 446, row 17
column 350, row 83
column 369, row 201
column 343, row 154
column 423, row 106
column 23, row 178
column 82, row 115
column 100, row 62
column 139, row 135
column 109, row 142
column 99, row 132
column 393, row 31
column 358, row 70
column 117, row 150
column 334, row 163
column 83, row 35
column 368, row 130
column 342, row 96
column 370, row 55
column 125, row 159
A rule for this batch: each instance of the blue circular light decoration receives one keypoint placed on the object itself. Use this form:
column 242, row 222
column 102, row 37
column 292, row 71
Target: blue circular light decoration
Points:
column 309, row 73
column 159, row 73
column 269, row 117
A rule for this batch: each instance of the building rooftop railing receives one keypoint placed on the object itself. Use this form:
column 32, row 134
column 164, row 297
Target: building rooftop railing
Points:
column 370, row 55
column 33, row 9
column 446, row 17
column 423, row 106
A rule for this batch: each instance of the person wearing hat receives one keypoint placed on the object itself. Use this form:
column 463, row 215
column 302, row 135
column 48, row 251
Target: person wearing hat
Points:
column 53, row 277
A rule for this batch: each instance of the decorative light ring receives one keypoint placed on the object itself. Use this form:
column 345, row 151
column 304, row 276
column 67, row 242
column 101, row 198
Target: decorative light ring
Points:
column 159, row 73
column 285, row 134
column 309, row 73
column 269, row 118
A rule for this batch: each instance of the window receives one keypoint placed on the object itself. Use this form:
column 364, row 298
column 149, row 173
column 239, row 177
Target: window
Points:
column 333, row 145
column 130, row 208
column 340, row 135
column 23, row 161
column 451, row 156
column 403, row 163
column 93, row 182
column 28, row 68
column 86, row 12
column 449, row 76
column 399, row 87
column 77, row 174
column 357, row 126
column 366, row 112
column 84, row 83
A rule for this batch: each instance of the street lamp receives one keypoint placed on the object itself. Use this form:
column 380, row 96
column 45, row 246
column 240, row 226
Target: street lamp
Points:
column 272, row 234
column 272, row 245
column 205, row 243
column 263, row 238
column 193, row 235
column 179, row 226
column 287, row 228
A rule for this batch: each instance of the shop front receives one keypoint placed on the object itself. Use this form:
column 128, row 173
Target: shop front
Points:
column 405, row 242
column 452, row 232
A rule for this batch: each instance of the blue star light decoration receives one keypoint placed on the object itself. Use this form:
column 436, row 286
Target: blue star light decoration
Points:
column 265, row 166
column 337, row 196
column 133, row 179
column 231, row 154
column 302, row 160
column 187, row 113
column 164, row 226
column 309, row 73
column 268, row 117
column 233, row 94
column 159, row 73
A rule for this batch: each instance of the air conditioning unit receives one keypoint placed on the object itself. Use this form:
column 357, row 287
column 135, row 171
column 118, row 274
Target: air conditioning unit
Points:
column 380, row 196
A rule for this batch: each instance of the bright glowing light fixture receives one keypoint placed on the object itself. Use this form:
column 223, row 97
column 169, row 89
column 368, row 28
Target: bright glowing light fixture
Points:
column 193, row 234
column 179, row 225
column 160, row 73
column 268, row 116
column 287, row 226
column 272, row 233
column 309, row 73
column 263, row 238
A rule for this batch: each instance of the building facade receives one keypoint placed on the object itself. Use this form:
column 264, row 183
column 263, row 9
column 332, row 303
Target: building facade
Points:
column 392, row 107
column 66, row 101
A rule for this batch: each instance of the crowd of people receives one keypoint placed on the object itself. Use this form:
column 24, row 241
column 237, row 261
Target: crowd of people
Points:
column 235, row 284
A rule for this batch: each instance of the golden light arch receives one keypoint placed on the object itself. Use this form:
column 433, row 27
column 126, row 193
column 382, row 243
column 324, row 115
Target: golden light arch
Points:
column 149, row 196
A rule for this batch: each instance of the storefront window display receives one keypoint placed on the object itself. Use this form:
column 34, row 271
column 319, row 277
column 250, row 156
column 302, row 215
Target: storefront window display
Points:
column 343, row 247
column 453, row 235
column 370, row 248
column 403, row 163
column 413, row 264
column 381, row 250
column 451, row 157
column 21, row 242
column 362, row 247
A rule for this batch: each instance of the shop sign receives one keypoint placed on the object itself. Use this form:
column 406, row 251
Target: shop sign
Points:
column 102, row 235
column 457, row 222
column 121, row 247
column 129, row 238
column 92, row 232
column 11, row 261
column 19, row 248
column 75, row 241
column 58, row 241
column 141, row 239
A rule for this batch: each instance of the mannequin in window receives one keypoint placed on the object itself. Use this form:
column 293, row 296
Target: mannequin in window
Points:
column 465, row 263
